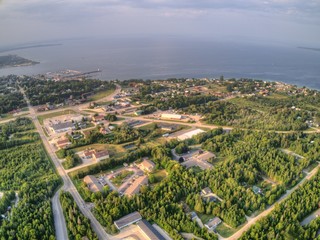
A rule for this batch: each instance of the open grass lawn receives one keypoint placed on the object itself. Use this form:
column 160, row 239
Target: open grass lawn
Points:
column 225, row 231
column 204, row 217
column 160, row 175
column 41, row 118
column 100, row 95
column 148, row 126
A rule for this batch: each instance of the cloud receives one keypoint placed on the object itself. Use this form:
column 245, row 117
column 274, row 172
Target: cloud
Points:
column 39, row 19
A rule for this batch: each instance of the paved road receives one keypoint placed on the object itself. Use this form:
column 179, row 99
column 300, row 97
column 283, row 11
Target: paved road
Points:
column 311, row 217
column 60, row 225
column 269, row 210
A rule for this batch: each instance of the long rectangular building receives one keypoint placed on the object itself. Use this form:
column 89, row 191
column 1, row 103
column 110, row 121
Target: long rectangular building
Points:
column 149, row 231
column 128, row 220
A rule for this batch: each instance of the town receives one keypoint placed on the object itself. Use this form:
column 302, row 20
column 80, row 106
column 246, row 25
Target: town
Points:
column 165, row 159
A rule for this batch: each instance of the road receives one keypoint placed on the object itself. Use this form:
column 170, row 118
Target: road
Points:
column 60, row 225
column 269, row 209
column 312, row 216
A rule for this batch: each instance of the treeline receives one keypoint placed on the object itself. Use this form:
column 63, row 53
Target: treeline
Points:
column 27, row 169
column 229, row 114
column 19, row 125
column 11, row 101
column 284, row 221
column 181, row 101
column 77, row 224
column 41, row 92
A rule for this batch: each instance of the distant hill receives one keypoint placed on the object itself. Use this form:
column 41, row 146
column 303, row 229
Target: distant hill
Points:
column 15, row 61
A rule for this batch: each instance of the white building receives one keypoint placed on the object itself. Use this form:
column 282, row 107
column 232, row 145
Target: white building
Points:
column 190, row 134
column 171, row 116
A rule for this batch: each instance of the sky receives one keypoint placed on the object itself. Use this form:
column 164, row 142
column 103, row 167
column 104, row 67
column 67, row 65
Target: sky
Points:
column 268, row 21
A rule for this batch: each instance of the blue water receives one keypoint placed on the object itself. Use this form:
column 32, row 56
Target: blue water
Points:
column 171, row 57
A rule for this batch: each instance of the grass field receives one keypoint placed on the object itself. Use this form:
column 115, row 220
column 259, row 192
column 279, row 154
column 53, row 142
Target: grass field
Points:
column 225, row 231
column 204, row 217
column 41, row 118
column 160, row 175
column 100, row 95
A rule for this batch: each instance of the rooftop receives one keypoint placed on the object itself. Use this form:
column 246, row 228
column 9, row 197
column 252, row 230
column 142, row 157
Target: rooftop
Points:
column 150, row 232
column 62, row 125
column 100, row 154
column 93, row 183
column 128, row 219
column 190, row 134
column 135, row 187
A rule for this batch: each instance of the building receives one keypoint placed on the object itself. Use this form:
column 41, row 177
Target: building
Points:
column 146, row 165
column 62, row 127
column 189, row 134
column 86, row 133
column 88, row 153
column 213, row 223
column 256, row 190
column 205, row 156
column 128, row 220
column 98, row 118
column 206, row 191
column 168, row 127
column 171, row 116
column 98, row 156
column 92, row 183
column 63, row 143
column 136, row 185
column 149, row 232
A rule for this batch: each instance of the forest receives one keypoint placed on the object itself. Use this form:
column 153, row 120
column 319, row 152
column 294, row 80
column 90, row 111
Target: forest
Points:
column 27, row 169
column 54, row 92
column 77, row 224
column 284, row 222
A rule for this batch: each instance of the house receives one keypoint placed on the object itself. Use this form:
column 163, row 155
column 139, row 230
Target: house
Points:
column 171, row 116
column 128, row 220
column 256, row 190
column 213, row 223
column 206, row 191
column 62, row 127
column 86, row 133
column 205, row 156
column 146, row 165
column 103, row 130
column 98, row 118
column 92, row 183
column 88, row 153
column 98, row 156
column 149, row 232
column 136, row 185
column 189, row 134
column 63, row 143
column 209, row 199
